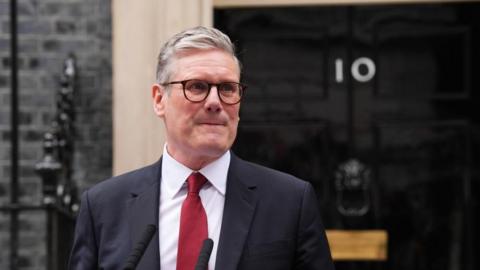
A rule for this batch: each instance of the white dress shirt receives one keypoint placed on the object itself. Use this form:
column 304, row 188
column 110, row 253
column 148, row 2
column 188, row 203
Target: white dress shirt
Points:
column 173, row 191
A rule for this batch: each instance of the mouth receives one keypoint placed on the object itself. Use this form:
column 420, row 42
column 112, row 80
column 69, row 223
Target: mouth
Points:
column 213, row 123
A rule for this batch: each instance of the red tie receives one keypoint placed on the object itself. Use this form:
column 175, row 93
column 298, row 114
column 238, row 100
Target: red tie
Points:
column 193, row 224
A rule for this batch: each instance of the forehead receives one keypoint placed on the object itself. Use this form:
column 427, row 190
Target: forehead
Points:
column 205, row 62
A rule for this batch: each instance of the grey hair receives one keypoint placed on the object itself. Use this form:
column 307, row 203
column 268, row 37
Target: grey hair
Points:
column 199, row 37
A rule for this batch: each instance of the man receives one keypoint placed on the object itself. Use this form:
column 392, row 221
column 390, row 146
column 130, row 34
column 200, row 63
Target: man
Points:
column 258, row 218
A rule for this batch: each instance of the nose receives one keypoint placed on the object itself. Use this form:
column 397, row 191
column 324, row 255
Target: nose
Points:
column 212, row 102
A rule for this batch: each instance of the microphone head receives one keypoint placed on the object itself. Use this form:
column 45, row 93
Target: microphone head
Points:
column 208, row 245
column 205, row 252
column 140, row 247
column 150, row 230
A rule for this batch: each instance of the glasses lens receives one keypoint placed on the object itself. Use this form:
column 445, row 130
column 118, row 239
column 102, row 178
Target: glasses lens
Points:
column 196, row 90
column 231, row 92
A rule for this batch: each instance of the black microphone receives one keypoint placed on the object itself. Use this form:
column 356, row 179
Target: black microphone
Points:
column 140, row 247
column 202, row 262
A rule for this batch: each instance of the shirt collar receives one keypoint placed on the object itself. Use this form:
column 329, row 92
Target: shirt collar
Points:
column 175, row 173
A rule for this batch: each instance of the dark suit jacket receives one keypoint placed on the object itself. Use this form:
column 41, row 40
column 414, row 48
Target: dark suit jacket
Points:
column 270, row 221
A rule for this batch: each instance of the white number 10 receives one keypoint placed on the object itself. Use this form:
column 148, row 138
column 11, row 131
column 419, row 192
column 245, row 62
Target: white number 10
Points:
column 355, row 69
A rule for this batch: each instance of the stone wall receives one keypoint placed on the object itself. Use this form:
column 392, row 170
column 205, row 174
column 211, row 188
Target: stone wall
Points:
column 48, row 31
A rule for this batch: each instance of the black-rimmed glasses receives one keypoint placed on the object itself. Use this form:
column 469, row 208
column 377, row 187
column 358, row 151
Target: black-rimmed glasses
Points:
column 198, row 90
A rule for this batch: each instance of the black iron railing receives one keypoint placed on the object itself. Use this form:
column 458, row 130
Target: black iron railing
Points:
column 59, row 192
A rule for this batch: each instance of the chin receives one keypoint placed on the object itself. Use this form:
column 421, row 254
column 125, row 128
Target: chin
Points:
column 213, row 149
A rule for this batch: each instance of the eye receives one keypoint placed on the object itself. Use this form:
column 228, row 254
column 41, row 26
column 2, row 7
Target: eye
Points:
column 196, row 86
column 228, row 88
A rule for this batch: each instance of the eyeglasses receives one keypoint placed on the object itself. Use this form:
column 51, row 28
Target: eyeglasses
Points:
column 197, row 90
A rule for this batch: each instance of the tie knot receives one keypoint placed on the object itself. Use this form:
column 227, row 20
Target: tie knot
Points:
column 195, row 182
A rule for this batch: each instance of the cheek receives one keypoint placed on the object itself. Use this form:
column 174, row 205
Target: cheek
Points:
column 233, row 113
column 183, row 123
column 174, row 123
column 234, row 119
column 179, row 115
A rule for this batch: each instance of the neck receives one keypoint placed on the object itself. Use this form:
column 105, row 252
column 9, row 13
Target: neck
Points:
column 193, row 162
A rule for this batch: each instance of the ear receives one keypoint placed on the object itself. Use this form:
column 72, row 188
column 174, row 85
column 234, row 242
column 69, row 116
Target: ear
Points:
column 159, row 97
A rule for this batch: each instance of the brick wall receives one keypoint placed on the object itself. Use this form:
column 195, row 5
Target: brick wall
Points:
column 48, row 31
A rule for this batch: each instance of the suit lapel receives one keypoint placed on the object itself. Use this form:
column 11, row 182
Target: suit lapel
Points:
column 143, row 210
column 240, row 202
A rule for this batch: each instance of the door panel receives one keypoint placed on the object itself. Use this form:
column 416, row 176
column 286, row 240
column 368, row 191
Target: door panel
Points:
column 376, row 106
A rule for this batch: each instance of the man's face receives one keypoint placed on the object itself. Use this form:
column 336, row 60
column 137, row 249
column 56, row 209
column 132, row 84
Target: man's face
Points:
column 198, row 133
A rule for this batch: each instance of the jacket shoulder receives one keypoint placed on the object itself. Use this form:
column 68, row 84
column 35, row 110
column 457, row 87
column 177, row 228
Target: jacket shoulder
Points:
column 133, row 182
column 260, row 175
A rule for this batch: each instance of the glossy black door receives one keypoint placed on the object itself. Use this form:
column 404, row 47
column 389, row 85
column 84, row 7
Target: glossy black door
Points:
column 377, row 106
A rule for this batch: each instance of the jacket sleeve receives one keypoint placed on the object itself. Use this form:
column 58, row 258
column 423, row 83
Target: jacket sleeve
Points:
column 312, row 251
column 84, row 250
